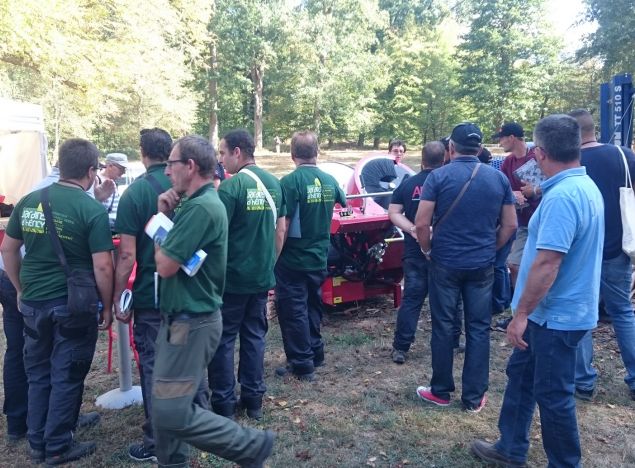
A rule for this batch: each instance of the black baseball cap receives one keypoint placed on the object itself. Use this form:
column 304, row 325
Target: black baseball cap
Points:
column 509, row 129
column 467, row 134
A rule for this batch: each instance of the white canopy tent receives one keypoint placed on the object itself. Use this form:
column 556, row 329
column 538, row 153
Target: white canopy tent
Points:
column 23, row 148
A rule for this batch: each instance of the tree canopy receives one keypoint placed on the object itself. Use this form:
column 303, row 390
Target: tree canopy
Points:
column 355, row 71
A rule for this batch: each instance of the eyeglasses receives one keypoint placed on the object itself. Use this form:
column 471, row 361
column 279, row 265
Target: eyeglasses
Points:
column 170, row 162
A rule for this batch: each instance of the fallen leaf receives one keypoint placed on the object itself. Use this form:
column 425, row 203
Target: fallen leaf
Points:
column 378, row 372
column 372, row 459
column 405, row 461
column 297, row 421
column 281, row 403
column 383, row 454
column 610, row 405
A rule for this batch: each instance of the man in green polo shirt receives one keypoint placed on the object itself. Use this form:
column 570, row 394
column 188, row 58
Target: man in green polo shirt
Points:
column 191, row 323
column 137, row 205
column 310, row 195
column 255, row 212
column 58, row 345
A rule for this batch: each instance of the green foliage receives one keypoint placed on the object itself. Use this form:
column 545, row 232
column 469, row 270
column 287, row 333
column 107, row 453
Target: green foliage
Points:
column 613, row 40
column 347, row 69
column 507, row 61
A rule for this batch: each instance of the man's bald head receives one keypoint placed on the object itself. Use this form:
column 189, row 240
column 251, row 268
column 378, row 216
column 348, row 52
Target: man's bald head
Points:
column 432, row 155
column 585, row 121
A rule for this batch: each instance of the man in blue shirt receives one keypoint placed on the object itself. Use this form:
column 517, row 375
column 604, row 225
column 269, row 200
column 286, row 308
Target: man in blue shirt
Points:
column 402, row 211
column 554, row 304
column 469, row 200
column 605, row 165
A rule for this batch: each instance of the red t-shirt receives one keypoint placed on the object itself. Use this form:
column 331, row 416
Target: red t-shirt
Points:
column 510, row 164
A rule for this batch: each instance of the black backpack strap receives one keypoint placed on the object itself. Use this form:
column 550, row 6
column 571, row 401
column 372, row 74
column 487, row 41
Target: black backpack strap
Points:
column 154, row 183
column 50, row 226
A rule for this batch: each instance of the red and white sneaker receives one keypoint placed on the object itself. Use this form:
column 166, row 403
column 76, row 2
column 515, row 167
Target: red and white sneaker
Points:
column 425, row 393
column 480, row 406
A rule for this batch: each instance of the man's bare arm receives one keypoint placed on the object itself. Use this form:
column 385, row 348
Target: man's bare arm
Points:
column 166, row 266
column 508, row 225
column 104, row 271
column 125, row 263
column 423, row 222
column 395, row 213
column 281, row 233
column 12, row 260
column 542, row 275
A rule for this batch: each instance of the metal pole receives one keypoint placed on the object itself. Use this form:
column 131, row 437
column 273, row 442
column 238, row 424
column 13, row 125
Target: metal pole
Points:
column 368, row 195
column 123, row 348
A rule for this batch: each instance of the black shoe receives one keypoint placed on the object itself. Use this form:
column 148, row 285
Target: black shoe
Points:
column 36, row 456
column 263, row 453
column 76, row 451
column 283, row 371
column 139, row 452
column 310, row 377
column 87, row 420
column 253, row 412
column 584, row 395
column 13, row 439
column 501, row 325
column 398, row 356
column 488, row 453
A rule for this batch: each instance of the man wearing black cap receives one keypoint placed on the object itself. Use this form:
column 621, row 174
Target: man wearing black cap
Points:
column 512, row 139
column 468, row 200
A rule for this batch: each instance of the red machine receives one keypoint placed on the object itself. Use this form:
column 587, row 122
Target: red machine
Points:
column 366, row 249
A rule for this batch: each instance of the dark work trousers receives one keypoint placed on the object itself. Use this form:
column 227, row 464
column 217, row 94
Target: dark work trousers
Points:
column 14, row 378
column 146, row 329
column 415, row 291
column 299, row 304
column 244, row 315
column 502, row 289
column 58, row 352
column 475, row 287
column 185, row 346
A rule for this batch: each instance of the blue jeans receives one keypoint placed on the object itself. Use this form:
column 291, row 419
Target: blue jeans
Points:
column 299, row 304
column 502, row 290
column 244, row 315
column 58, row 352
column 475, row 287
column 415, row 291
column 543, row 374
column 146, row 329
column 615, row 289
column 13, row 376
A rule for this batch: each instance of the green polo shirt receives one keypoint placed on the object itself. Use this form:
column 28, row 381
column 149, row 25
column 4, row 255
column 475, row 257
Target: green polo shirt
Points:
column 136, row 206
column 251, row 249
column 82, row 226
column 310, row 195
column 201, row 223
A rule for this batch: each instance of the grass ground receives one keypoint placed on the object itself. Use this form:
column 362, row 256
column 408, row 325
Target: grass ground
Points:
column 362, row 409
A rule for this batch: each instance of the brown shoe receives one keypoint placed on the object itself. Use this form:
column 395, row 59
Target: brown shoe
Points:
column 486, row 452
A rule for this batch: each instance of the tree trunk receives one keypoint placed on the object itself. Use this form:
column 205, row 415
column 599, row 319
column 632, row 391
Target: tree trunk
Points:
column 360, row 140
column 212, row 88
column 257, row 75
column 316, row 119
column 376, row 143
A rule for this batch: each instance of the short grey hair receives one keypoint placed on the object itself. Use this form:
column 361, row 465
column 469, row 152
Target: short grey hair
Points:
column 559, row 136
column 199, row 150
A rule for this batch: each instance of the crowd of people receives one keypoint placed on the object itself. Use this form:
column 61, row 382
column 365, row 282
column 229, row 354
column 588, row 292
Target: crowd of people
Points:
column 477, row 241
